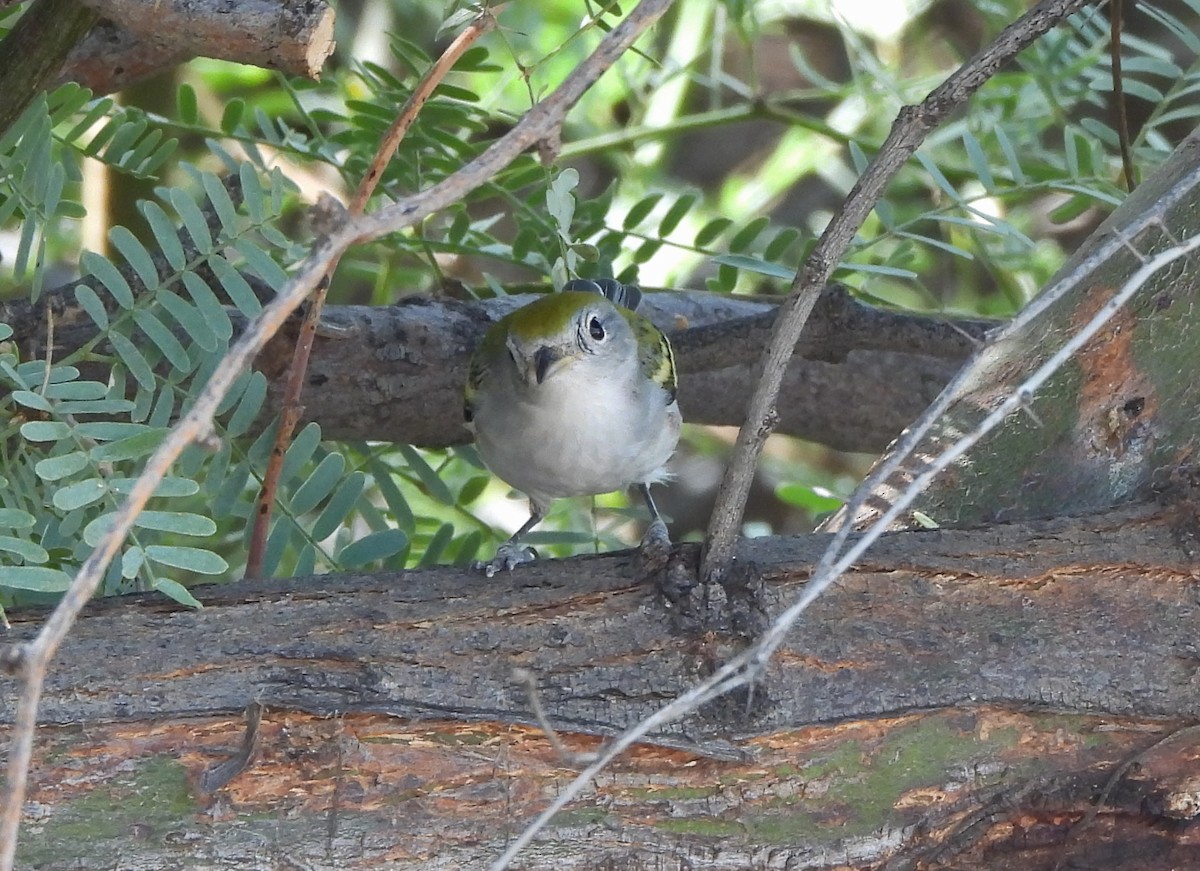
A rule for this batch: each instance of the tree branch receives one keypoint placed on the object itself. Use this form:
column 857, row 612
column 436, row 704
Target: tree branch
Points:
column 1081, row 616
column 295, row 38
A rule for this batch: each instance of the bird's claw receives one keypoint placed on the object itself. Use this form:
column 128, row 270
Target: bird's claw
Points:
column 655, row 550
column 508, row 557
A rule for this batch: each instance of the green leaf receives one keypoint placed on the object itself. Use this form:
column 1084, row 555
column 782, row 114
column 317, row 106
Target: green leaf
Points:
column 109, row 430
column 753, row 264
column 189, row 318
column 858, row 157
column 57, row 468
column 29, row 399
column 396, row 503
column 249, row 405
column 15, row 518
column 135, row 255
column 300, row 451
column 163, row 339
column 712, row 230
column 45, row 430
column 167, row 487
column 235, row 286
column 128, row 448
column 1071, row 209
column 373, row 547
column 435, row 486
column 979, row 161
column 95, row 531
column 29, row 551
column 260, row 261
column 192, row 559
column 192, row 217
column 938, row 178
column 185, row 102
column 165, row 235
column 319, row 484
column 232, row 117
column 36, row 578
column 640, row 211
column 137, row 365
column 779, row 245
column 182, row 522
column 77, row 390
column 222, row 204
column 5, row 332
column 90, row 303
column 675, row 214
column 817, row 500
column 209, row 306
column 177, row 591
column 745, row 237
column 437, row 545
column 560, row 201
column 339, row 506
column 131, row 562
column 79, row 494
column 107, row 274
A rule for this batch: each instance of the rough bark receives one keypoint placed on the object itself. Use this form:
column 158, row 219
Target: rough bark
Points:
column 958, row 701
column 141, row 38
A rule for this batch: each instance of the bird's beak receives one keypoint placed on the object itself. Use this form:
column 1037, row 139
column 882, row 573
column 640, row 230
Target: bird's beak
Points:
column 544, row 359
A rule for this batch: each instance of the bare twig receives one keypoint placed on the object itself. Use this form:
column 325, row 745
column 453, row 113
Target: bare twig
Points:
column 1116, row 12
column 32, row 660
column 290, row 413
column 529, row 680
column 908, row 132
column 744, row 668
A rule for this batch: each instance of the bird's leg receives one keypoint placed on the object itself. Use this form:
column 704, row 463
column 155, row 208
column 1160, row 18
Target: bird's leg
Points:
column 656, row 543
column 510, row 554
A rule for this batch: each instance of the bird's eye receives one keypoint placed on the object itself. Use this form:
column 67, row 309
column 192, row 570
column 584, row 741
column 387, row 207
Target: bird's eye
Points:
column 596, row 329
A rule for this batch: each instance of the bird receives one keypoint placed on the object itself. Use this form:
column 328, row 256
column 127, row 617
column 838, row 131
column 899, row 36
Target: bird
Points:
column 574, row 394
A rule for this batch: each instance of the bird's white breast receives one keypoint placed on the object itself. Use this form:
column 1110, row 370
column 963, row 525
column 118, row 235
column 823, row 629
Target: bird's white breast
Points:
column 589, row 432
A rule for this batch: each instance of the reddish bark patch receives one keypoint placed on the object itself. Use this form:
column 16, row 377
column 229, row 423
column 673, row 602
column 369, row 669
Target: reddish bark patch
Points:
column 1116, row 399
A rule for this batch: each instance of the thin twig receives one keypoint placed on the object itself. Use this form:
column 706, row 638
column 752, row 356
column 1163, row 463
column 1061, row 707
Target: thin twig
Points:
column 908, row 132
column 569, row 756
column 32, row 659
column 1116, row 13
column 291, row 408
column 745, row 667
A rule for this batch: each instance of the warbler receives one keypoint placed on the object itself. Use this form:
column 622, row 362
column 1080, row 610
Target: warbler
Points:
column 574, row 395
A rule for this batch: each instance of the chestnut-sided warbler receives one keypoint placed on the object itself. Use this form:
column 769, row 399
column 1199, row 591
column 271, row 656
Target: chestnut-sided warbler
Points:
column 574, row 395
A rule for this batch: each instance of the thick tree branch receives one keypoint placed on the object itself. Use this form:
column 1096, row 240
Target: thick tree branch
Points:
column 979, row 628
column 860, row 373
column 295, row 38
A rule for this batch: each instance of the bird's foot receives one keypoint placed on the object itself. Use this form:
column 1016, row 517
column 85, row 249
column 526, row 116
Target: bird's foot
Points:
column 655, row 550
column 508, row 557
